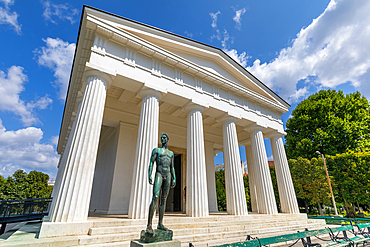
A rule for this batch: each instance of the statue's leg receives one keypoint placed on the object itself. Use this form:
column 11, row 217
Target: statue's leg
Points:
column 162, row 201
column 156, row 191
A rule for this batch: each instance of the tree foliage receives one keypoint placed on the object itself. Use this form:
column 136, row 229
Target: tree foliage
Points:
column 351, row 173
column 221, row 192
column 330, row 122
column 310, row 181
column 23, row 186
column 275, row 186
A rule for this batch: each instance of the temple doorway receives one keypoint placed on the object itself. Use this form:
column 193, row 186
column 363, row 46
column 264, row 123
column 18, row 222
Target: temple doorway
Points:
column 174, row 200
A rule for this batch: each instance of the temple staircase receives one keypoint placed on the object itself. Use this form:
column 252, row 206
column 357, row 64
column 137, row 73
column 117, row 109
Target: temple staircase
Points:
column 216, row 229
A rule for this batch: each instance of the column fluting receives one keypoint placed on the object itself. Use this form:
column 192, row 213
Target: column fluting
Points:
column 196, row 181
column 72, row 193
column 265, row 191
column 287, row 194
column 147, row 140
column 236, row 203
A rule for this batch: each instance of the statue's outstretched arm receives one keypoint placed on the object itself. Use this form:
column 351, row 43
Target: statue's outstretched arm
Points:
column 152, row 159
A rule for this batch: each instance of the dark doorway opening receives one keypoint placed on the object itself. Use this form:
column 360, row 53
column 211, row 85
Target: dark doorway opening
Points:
column 175, row 195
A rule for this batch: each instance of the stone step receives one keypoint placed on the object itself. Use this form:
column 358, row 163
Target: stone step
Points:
column 205, row 239
column 193, row 236
column 185, row 229
column 222, row 218
column 243, row 233
column 213, row 226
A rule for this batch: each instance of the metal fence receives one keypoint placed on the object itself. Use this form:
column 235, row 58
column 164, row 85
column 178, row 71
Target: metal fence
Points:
column 24, row 207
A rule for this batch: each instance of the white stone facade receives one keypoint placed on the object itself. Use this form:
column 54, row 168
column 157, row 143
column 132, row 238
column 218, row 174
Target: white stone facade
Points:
column 141, row 81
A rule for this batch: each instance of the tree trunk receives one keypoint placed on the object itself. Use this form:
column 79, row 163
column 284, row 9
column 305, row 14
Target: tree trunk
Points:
column 305, row 206
column 320, row 209
column 350, row 212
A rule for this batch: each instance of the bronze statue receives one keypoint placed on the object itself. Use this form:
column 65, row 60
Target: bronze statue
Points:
column 164, row 180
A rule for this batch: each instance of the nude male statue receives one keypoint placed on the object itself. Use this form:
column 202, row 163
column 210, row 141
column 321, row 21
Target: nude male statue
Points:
column 164, row 179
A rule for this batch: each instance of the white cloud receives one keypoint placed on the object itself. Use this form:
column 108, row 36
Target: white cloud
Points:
column 226, row 39
column 54, row 140
column 11, row 85
column 190, row 35
column 57, row 55
column 7, row 2
column 242, row 58
column 22, row 149
column 270, row 158
column 214, row 18
column 238, row 17
column 61, row 11
column 334, row 49
column 8, row 17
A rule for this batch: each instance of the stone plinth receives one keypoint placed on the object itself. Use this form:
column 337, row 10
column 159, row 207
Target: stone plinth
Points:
column 172, row 243
column 158, row 236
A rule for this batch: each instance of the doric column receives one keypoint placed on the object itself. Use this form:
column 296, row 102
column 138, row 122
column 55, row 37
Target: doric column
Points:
column 287, row 195
column 147, row 140
column 252, row 178
column 72, row 194
column 235, row 193
column 265, row 191
column 196, row 181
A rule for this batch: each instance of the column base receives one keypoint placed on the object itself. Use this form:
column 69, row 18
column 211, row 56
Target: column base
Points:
column 61, row 229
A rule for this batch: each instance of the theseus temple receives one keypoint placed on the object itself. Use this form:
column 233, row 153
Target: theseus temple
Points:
column 129, row 83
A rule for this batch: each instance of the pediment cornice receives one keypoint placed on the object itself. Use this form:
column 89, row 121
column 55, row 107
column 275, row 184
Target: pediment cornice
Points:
column 92, row 25
column 138, row 44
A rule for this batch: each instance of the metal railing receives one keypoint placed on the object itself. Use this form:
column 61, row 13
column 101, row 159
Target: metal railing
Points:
column 22, row 210
column 24, row 207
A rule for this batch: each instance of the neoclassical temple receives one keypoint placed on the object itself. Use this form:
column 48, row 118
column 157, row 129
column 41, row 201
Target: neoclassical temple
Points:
column 129, row 83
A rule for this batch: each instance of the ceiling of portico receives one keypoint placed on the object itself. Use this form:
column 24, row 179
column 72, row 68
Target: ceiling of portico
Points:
column 173, row 116
column 169, row 105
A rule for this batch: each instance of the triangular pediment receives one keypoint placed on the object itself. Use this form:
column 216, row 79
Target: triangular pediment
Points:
column 207, row 57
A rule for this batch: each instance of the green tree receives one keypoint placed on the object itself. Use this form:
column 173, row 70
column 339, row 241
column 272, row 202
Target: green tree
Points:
column 39, row 187
column 2, row 186
column 351, row 173
column 23, row 186
column 330, row 122
column 310, row 181
column 221, row 192
column 275, row 186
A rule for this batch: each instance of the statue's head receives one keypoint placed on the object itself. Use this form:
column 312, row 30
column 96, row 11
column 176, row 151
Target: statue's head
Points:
column 164, row 138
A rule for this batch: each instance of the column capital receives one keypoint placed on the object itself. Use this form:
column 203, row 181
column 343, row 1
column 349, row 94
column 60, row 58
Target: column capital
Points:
column 149, row 91
column 192, row 106
column 227, row 118
column 100, row 74
column 254, row 126
column 277, row 135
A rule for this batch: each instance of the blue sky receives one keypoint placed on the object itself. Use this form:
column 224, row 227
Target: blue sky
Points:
column 295, row 47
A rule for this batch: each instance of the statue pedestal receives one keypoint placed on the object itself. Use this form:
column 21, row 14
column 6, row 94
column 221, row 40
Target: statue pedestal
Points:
column 172, row 243
column 159, row 238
